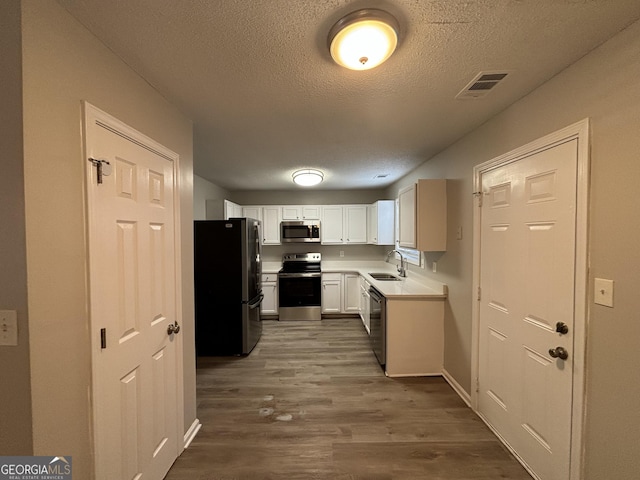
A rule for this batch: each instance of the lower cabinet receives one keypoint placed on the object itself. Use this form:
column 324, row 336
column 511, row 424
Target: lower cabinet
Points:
column 269, row 304
column 331, row 293
column 351, row 293
column 415, row 337
column 340, row 293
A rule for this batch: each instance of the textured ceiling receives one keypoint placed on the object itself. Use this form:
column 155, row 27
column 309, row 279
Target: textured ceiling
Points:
column 266, row 99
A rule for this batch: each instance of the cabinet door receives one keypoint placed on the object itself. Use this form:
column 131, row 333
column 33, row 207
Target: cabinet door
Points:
column 252, row 212
column 351, row 297
column 271, row 225
column 355, row 224
column 331, row 226
column 269, row 304
column 331, row 292
column 372, row 230
column 386, row 229
column 291, row 212
column 311, row 212
column 231, row 210
column 407, row 217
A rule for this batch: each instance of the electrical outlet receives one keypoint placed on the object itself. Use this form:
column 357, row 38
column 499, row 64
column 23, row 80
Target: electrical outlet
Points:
column 341, row 253
column 8, row 327
column 434, row 267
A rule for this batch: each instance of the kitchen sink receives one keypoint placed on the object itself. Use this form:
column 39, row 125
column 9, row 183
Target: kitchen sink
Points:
column 385, row 277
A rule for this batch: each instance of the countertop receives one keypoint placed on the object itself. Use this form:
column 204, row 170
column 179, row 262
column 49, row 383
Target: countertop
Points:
column 414, row 286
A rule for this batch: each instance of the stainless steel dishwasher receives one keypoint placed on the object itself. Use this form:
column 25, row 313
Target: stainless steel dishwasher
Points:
column 378, row 333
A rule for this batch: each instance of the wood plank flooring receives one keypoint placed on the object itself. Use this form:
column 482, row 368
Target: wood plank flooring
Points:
column 311, row 402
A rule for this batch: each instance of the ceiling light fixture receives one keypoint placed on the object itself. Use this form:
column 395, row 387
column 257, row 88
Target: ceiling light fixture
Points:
column 363, row 39
column 308, row 177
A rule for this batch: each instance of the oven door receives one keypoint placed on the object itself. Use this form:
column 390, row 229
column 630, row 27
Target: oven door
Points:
column 299, row 296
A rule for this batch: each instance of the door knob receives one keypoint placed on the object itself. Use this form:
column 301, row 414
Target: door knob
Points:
column 173, row 328
column 559, row 352
column 562, row 328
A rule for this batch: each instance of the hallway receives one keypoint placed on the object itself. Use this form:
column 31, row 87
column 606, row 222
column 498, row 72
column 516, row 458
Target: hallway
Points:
column 311, row 402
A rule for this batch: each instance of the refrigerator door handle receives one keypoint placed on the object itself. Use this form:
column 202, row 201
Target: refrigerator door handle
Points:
column 256, row 303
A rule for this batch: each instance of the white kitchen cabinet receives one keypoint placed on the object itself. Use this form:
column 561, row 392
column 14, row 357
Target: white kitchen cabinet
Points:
column 269, row 304
column 331, row 292
column 351, row 293
column 231, row 210
column 344, row 224
column 291, row 212
column 271, row 217
column 331, row 228
column 422, row 215
column 311, row 212
column 252, row 212
column 381, row 226
column 301, row 212
column 355, row 223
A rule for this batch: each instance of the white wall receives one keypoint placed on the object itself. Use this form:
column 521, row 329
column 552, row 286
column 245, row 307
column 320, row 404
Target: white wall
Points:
column 63, row 64
column 603, row 86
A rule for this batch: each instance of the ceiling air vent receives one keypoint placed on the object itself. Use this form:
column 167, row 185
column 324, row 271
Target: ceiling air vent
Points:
column 482, row 84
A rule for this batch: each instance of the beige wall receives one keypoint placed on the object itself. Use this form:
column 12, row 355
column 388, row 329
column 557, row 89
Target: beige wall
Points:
column 15, row 393
column 64, row 64
column 204, row 190
column 603, row 86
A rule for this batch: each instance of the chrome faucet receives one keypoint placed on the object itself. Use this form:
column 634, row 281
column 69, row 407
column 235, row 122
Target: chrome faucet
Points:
column 401, row 270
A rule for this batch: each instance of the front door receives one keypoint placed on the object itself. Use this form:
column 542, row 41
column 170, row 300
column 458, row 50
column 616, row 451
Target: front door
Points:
column 133, row 309
column 526, row 306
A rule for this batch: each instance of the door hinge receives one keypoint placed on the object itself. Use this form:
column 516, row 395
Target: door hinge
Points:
column 103, row 338
column 103, row 168
column 479, row 196
column 479, row 293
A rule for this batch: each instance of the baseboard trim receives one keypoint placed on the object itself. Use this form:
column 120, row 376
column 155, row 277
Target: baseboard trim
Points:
column 191, row 433
column 466, row 398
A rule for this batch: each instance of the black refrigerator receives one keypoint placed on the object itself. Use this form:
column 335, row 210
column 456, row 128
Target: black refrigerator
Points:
column 228, row 290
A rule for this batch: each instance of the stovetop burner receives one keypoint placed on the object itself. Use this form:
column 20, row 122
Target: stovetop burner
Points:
column 300, row 262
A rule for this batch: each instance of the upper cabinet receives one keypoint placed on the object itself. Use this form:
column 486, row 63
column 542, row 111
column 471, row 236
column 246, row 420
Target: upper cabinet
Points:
column 271, row 217
column 381, row 226
column 301, row 212
column 422, row 212
column 232, row 210
column 344, row 224
column 252, row 212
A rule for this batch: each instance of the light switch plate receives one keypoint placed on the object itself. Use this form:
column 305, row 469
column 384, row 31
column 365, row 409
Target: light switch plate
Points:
column 603, row 292
column 8, row 327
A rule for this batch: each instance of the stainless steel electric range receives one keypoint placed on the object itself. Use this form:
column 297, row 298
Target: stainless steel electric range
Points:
column 300, row 287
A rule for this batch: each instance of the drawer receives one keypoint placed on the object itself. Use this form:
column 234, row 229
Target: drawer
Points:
column 269, row 277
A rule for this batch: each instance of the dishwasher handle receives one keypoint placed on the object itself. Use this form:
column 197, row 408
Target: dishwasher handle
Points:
column 376, row 296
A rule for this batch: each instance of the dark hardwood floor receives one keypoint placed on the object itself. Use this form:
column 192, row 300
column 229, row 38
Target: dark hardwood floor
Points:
column 311, row 402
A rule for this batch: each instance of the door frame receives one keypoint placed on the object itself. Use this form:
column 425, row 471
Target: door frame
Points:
column 93, row 115
column 578, row 131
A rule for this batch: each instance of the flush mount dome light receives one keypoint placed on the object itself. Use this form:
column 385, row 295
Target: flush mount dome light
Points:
column 363, row 39
column 308, row 177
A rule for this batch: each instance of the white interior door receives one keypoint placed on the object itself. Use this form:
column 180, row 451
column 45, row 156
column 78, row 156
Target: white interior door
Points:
column 133, row 302
column 527, row 297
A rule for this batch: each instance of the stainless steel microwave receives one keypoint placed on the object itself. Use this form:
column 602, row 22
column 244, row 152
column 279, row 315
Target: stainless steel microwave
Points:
column 300, row 231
